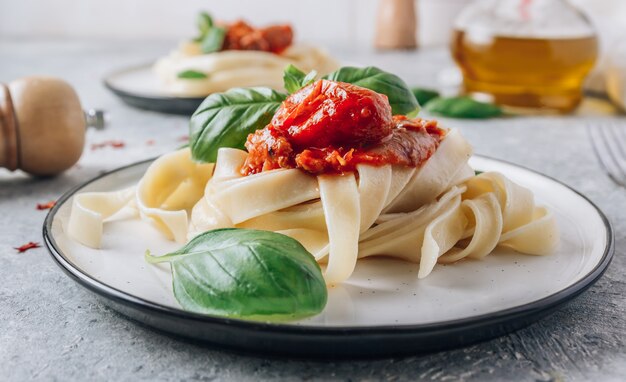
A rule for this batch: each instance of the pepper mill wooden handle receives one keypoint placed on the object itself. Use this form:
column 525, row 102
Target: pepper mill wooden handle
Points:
column 42, row 126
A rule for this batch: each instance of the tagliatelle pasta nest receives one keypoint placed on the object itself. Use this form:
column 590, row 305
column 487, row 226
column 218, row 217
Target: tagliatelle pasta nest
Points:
column 336, row 171
column 440, row 212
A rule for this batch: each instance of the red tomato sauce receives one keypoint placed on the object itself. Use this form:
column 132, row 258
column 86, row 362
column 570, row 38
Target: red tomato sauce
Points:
column 242, row 36
column 330, row 127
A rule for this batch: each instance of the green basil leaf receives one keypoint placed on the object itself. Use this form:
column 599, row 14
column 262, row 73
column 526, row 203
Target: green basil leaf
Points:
column 292, row 78
column 226, row 119
column 191, row 75
column 463, row 107
column 204, row 22
column 213, row 40
column 401, row 98
column 295, row 79
column 246, row 273
column 423, row 96
column 309, row 78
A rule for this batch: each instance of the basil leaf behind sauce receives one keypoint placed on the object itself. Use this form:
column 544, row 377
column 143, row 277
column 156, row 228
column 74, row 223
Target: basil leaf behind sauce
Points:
column 400, row 97
column 295, row 79
column 226, row 119
column 423, row 95
column 246, row 273
column 463, row 107
column 292, row 78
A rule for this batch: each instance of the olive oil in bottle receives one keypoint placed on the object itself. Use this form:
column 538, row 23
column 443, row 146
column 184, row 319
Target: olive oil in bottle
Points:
column 532, row 54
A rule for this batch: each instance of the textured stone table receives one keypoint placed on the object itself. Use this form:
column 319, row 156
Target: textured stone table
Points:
column 53, row 329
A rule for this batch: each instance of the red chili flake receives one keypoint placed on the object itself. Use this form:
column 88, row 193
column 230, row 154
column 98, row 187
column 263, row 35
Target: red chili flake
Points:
column 150, row 142
column 27, row 246
column 46, row 206
column 184, row 138
column 112, row 143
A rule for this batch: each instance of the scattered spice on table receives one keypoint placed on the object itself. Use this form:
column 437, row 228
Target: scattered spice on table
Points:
column 116, row 144
column 46, row 206
column 27, row 246
column 150, row 142
column 184, row 138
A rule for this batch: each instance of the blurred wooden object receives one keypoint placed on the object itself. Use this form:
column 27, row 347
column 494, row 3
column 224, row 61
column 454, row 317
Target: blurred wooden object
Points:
column 42, row 126
column 396, row 25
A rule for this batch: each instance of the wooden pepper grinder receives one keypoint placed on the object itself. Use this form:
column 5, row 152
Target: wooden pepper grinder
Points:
column 396, row 25
column 42, row 125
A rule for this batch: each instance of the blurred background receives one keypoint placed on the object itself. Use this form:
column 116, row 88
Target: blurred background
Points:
column 318, row 21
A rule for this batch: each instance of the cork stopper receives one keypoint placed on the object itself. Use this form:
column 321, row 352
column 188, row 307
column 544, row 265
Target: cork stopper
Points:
column 42, row 126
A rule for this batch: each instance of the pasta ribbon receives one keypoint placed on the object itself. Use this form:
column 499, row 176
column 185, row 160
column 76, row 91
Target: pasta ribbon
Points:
column 340, row 200
column 374, row 185
column 435, row 176
column 247, row 197
column 91, row 209
column 485, row 219
column 172, row 185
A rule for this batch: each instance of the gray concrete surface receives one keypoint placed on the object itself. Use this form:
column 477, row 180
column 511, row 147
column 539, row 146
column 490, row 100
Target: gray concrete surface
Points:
column 53, row 329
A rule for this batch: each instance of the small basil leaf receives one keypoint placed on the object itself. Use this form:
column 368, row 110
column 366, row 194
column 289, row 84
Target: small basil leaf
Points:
column 400, row 97
column 226, row 119
column 246, row 273
column 191, row 75
column 294, row 79
column 463, row 107
column 309, row 78
column 423, row 96
column 213, row 40
column 204, row 22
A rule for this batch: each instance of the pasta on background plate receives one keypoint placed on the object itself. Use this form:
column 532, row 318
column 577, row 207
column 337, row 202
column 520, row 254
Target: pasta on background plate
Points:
column 228, row 55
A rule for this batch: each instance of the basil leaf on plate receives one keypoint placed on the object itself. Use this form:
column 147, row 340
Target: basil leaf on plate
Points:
column 401, row 98
column 423, row 95
column 226, row 119
column 191, row 75
column 213, row 40
column 295, row 79
column 463, row 107
column 246, row 273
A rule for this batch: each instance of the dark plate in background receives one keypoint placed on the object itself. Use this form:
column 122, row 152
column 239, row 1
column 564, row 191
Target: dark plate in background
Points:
column 139, row 87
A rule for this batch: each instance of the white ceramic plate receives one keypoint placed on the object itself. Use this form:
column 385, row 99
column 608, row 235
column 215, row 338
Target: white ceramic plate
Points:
column 139, row 86
column 383, row 308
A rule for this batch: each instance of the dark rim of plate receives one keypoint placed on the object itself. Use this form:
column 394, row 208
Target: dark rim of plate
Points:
column 542, row 305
